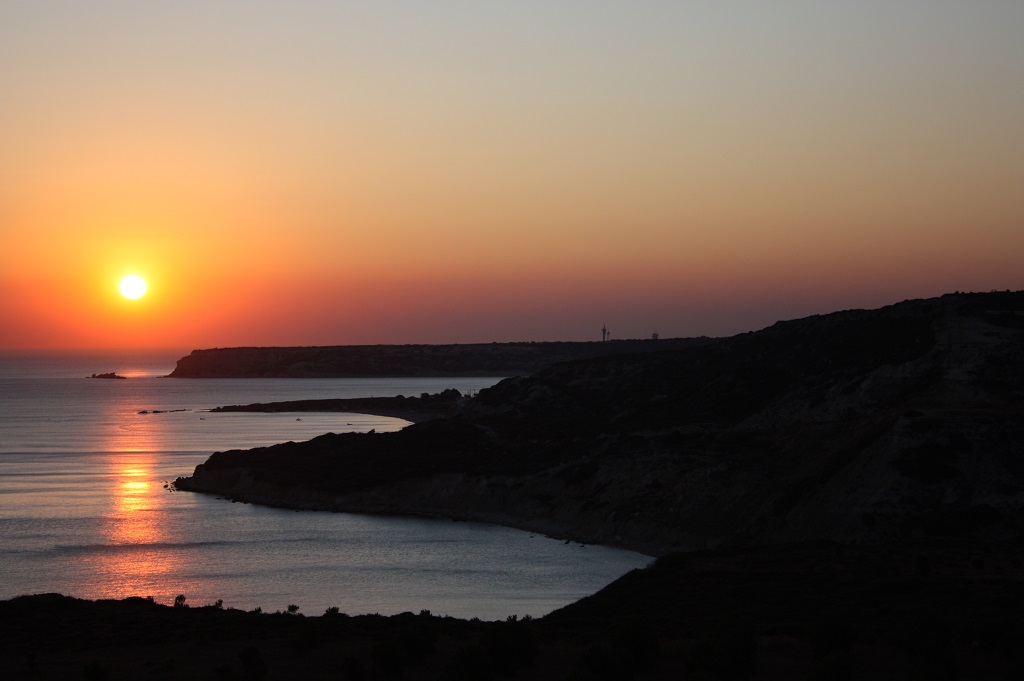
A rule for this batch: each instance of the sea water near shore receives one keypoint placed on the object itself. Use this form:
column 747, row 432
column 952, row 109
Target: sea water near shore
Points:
column 84, row 509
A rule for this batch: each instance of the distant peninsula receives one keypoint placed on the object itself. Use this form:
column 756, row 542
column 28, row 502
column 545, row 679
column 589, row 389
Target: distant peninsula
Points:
column 357, row 361
column 422, row 408
column 108, row 375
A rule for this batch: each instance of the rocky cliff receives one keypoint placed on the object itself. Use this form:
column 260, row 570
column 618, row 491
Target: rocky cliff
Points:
column 858, row 426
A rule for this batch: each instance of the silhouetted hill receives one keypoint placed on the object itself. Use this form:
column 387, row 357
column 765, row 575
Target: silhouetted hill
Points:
column 345, row 361
column 857, row 426
column 861, row 475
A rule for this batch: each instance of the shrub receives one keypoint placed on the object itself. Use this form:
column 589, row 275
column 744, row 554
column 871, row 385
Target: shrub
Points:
column 253, row 666
column 352, row 668
column 468, row 664
column 727, row 655
column 510, row 645
column 94, row 671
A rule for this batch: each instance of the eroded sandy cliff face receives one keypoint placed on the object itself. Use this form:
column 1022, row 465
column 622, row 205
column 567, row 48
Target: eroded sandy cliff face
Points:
column 858, row 426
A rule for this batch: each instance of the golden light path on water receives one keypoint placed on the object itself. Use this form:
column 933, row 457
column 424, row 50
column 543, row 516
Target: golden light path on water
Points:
column 135, row 517
column 86, row 512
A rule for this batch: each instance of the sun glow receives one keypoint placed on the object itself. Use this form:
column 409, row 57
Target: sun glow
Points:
column 133, row 286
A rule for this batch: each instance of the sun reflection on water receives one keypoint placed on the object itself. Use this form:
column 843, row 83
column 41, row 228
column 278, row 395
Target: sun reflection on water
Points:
column 136, row 520
column 134, row 494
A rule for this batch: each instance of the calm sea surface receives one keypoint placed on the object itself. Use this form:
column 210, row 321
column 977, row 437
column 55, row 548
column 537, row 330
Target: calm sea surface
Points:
column 84, row 509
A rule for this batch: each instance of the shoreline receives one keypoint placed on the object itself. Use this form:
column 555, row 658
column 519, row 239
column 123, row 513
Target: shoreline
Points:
column 262, row 493
column 762, row 438
column 820, row 609
column 414, row 410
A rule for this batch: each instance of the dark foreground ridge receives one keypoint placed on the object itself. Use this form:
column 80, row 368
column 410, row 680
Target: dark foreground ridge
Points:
column 351, row 361
column 930, row 610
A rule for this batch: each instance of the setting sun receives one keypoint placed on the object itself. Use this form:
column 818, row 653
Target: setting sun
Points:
column 347, row 176
column 133, row 286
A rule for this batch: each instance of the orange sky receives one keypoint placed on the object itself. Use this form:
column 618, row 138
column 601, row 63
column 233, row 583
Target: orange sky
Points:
column 330, row 173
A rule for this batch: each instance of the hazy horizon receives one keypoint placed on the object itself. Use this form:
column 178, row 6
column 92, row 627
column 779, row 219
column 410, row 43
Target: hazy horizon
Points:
column 183, row 350
column 340, row 173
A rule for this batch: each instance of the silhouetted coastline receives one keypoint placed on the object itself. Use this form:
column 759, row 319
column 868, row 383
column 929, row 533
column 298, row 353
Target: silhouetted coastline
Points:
column 833, row 497
column 763, row 438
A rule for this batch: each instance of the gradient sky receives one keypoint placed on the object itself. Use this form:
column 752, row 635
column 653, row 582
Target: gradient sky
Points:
column 308, row 173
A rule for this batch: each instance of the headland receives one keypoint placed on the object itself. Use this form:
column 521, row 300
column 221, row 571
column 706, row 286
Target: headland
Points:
column 863, row 426
column 354, row 361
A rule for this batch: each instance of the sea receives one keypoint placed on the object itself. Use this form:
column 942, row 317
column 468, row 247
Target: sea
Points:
column 87, row 508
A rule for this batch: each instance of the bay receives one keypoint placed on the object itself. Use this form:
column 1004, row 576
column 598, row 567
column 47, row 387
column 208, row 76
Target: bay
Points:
column 84, row 509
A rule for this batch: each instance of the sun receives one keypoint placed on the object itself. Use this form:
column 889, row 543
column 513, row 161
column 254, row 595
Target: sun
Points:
column 133, row 286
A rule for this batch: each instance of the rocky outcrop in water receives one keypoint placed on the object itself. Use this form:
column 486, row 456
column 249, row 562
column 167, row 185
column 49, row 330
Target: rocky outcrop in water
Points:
column 858, row 426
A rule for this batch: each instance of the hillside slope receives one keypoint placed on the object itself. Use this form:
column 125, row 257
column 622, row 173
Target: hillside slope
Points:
column 857, row 426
